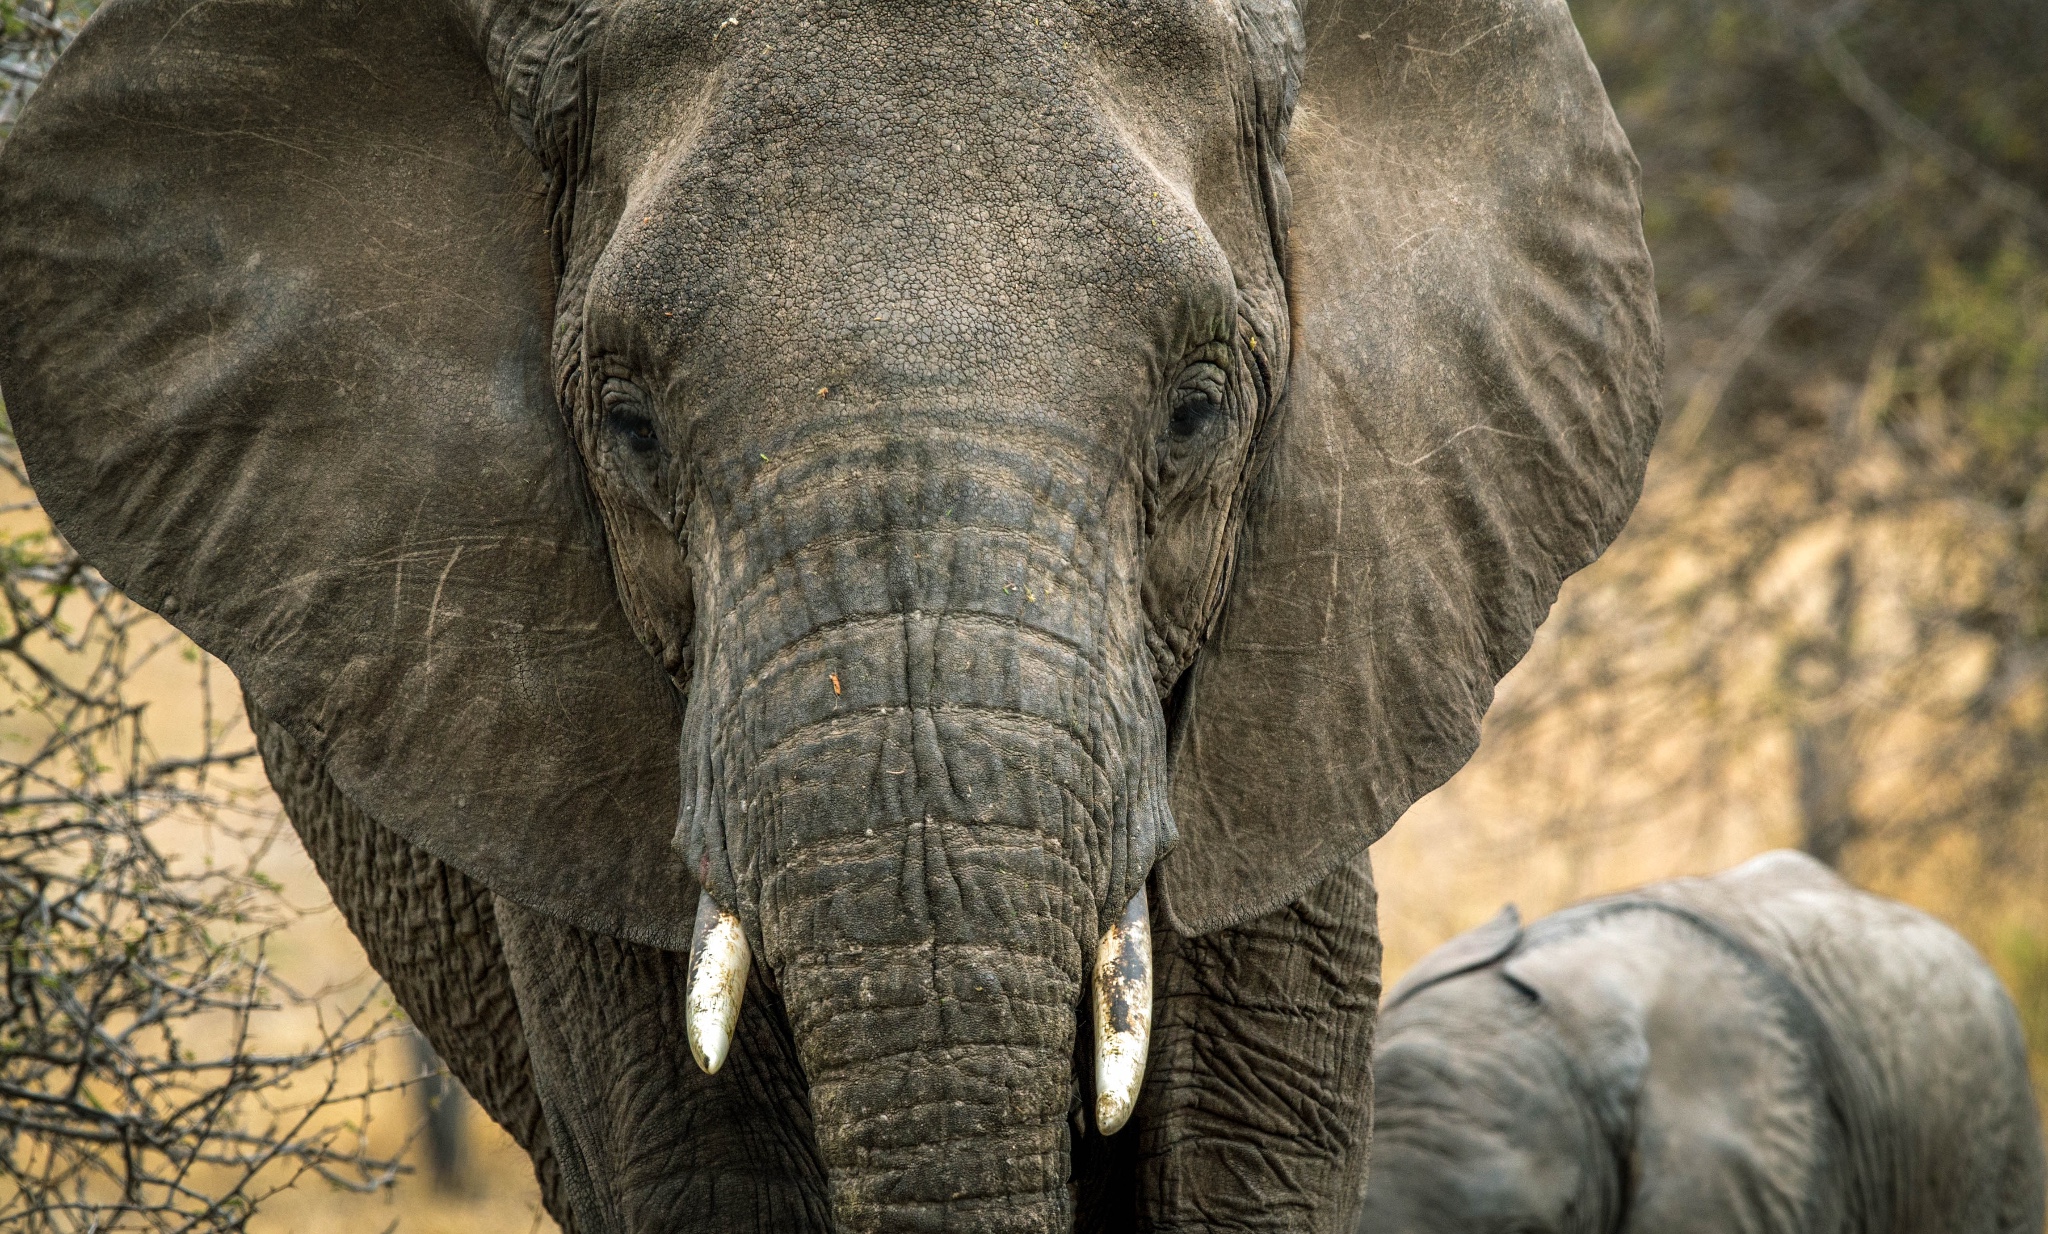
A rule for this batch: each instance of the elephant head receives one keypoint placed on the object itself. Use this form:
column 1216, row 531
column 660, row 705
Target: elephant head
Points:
column 881, row 484
column 1491, row 1113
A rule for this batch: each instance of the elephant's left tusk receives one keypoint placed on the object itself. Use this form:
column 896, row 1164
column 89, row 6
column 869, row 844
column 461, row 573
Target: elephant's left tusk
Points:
column 719, row 959
column 1123, row 1014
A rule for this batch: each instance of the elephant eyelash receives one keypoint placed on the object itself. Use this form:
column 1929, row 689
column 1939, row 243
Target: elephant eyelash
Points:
column 1201, row 397
column 625, row 414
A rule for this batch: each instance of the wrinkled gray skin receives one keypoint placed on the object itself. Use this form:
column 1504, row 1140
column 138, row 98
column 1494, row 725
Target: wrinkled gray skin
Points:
column 1768, row 1051
column 916, row 472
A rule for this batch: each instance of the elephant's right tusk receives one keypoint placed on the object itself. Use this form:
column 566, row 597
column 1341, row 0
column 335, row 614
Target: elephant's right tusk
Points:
column 719, row 959
column 1123, row 1014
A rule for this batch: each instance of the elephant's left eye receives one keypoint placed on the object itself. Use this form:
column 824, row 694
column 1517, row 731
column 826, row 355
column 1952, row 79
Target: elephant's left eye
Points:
column 1200, row 398
column 637, row 429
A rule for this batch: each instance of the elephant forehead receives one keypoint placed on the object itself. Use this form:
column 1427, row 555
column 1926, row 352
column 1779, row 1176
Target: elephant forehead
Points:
column 911, row 204
column 801, row 58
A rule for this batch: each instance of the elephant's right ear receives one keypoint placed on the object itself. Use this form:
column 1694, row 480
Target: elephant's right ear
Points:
column 276, row 348
column 1471, row 400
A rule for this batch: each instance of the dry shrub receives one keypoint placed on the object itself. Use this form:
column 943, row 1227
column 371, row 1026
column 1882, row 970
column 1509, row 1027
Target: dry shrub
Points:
column 135, row 1089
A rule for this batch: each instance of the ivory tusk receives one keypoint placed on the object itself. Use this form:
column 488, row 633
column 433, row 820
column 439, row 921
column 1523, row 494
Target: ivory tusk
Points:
column 1123, row 1014
column 719, row 959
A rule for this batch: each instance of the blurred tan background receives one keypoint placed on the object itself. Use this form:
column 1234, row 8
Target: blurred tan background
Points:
column 1826, row 627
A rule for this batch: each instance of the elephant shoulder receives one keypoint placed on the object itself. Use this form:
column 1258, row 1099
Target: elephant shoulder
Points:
column 431, row 933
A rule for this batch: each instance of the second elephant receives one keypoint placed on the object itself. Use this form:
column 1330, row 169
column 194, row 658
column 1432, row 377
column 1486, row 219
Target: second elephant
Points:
column 1765, row 1050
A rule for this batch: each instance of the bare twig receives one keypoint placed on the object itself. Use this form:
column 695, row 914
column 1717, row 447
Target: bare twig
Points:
column 132, row 1094
column 1909, row 130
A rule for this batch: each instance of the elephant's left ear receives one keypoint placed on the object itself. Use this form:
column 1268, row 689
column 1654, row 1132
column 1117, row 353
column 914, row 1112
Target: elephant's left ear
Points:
column 276, row 344
column 1472, row 400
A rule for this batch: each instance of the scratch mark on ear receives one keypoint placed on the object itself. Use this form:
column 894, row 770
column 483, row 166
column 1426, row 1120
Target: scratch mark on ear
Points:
column 434, row 608
column 1335, row 587
column 1470, row 428
column 1461, row 48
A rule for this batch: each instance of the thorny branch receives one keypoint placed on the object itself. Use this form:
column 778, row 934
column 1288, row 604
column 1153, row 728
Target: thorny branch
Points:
column 133, row 1094
column 33, row 33
column 1916, row 134
column 1705, row 399
column 1820, row 32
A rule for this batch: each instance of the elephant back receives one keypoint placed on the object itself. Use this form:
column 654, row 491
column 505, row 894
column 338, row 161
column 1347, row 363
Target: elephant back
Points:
column 1929, row 1061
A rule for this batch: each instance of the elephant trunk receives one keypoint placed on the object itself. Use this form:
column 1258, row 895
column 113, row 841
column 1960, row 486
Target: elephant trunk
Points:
column 927, row 772
column 931, row 931
column 939, row 1048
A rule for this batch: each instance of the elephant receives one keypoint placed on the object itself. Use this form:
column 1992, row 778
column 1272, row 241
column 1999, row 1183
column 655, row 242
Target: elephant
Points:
column 838, row 588
column 1769, row 1049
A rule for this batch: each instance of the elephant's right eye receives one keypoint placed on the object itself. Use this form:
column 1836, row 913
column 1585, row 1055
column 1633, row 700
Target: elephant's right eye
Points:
column 637, row 429
column 627, row 417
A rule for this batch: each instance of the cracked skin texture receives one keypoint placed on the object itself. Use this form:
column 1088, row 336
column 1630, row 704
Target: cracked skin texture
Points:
column 918, row 471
